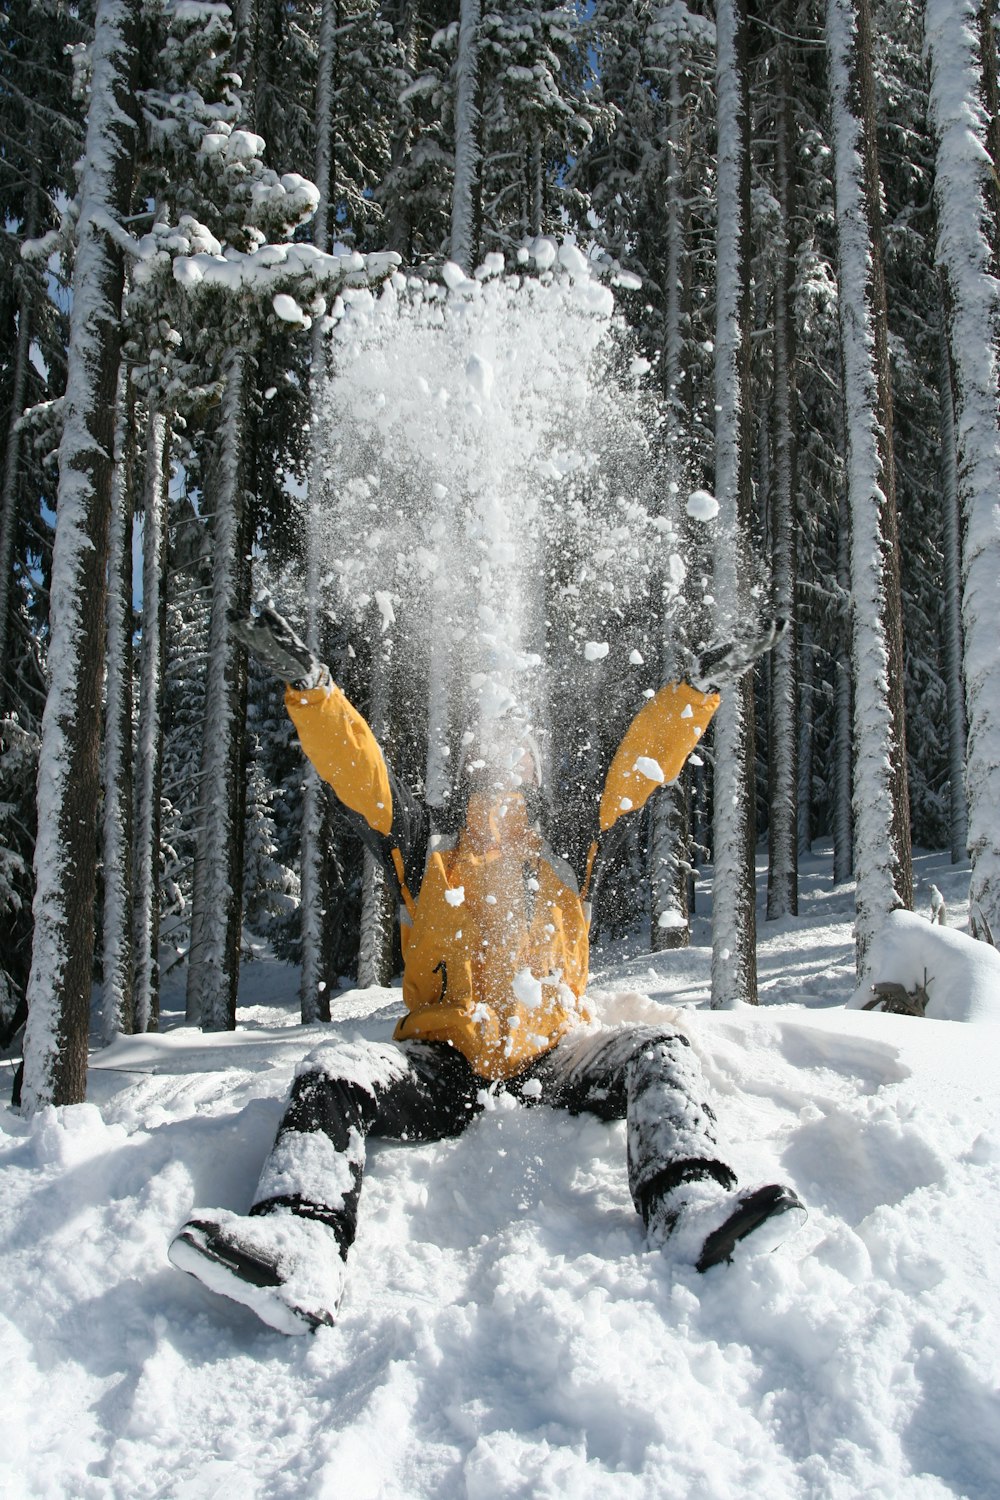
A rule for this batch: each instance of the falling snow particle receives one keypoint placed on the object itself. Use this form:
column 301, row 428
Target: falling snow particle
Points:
column 702, row 506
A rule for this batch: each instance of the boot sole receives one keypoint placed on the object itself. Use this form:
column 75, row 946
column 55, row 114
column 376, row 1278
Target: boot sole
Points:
column 773, row 1206
column 230, row 1272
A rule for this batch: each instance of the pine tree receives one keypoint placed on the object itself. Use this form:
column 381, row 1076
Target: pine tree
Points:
column 117, row 967
column 65, row 872
column 881, row 810
column 734, row 958
column 961, row 49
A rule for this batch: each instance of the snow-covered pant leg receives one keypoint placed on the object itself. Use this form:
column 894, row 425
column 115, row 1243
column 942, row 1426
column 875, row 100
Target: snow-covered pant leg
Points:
column 650, row 1077
column 342, row 1093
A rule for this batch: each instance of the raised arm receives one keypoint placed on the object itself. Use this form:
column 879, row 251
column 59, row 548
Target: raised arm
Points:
column 665, row 731
column 343, row 750
column 341, row 746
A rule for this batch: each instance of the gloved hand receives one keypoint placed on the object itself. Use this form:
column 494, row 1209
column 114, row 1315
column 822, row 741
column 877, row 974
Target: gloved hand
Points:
column 273, row 641
column 726, row 661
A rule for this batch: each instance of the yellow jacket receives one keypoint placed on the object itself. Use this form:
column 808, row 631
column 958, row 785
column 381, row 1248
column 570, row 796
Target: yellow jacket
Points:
column 494, row 927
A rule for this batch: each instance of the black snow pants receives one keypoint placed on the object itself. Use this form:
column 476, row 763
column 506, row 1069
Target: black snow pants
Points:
column 425, row 1091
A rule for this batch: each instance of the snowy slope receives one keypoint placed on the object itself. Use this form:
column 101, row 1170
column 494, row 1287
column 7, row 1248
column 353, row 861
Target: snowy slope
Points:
column 505, row 1332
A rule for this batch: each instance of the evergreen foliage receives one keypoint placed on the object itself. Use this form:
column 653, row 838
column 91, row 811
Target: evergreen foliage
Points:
column 599, row 122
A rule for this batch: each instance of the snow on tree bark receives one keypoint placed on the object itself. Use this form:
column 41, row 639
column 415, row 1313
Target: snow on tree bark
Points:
column 783, row 841
column 149, row 757
column 951, row 604
column 315, row 983
column 375, row 946
column 117, row 958
column 881, row 807
column 59, row 985
column 216, row 907
column 734, row 959
column 465, row 189
column 807, row 737
column 964, row 175
column 843, row 718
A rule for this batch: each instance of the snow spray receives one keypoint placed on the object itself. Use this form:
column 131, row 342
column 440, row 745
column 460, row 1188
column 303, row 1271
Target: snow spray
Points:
column 494, row 491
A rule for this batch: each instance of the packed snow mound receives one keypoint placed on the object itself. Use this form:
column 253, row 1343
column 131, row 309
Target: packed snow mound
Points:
column 962, row 975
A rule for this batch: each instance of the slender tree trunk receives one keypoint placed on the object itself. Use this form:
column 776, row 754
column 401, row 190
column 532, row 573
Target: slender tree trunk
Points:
column 669, row 869
column 783, row 840
column 734, row 937
column 465, row 189
column 59, row 985
column 843, row 709
column 807, row 737
column 216, row 906
column 881, row 802
column 958, row 805
column 117, row 969
column 398, row 222
column 959, row 42
column 669, row 841
column 317, row 835
column 376, row 940
column 536, row 184
column 676, row 382
column 149, row 761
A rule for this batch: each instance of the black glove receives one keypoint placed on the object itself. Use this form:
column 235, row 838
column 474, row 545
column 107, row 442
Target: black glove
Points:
column 273, row 641
column 726, row 662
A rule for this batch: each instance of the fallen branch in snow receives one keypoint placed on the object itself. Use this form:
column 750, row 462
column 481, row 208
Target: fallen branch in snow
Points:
column 897, row 1000
column 981, row 929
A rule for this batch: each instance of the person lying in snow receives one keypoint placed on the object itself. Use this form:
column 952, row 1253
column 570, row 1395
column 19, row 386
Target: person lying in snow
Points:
column 495, row 961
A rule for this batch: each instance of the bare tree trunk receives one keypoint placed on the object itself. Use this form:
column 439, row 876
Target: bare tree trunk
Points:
column 316, row 839
column 958, row 820
column 807, row 737
column 59, row 985
column 117, row 969
column 843, row 749
column 881, row 801
column 536, row 184
column 466, row 187
column 376, row 941
column 670, row 866
column 783, row 840
column 734, row 934
column 149, row 762
column 217, row 906
column 961, row 48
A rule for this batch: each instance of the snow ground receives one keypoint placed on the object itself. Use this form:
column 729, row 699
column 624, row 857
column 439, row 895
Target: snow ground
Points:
column 505, row 1332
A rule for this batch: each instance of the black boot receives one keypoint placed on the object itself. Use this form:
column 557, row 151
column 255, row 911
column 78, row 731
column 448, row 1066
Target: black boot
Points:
column 702, row 1222
column 288, row 1269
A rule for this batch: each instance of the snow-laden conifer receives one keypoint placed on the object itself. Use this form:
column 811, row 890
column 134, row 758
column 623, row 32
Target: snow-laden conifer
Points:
column 116, row 821
column 60, row 980
column 881, row 810
column 466, row 185
column 734, row 959
column 956, row 47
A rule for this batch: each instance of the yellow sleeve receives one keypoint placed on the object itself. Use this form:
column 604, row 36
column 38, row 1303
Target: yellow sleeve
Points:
column 657, row 743
column 344, row 751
